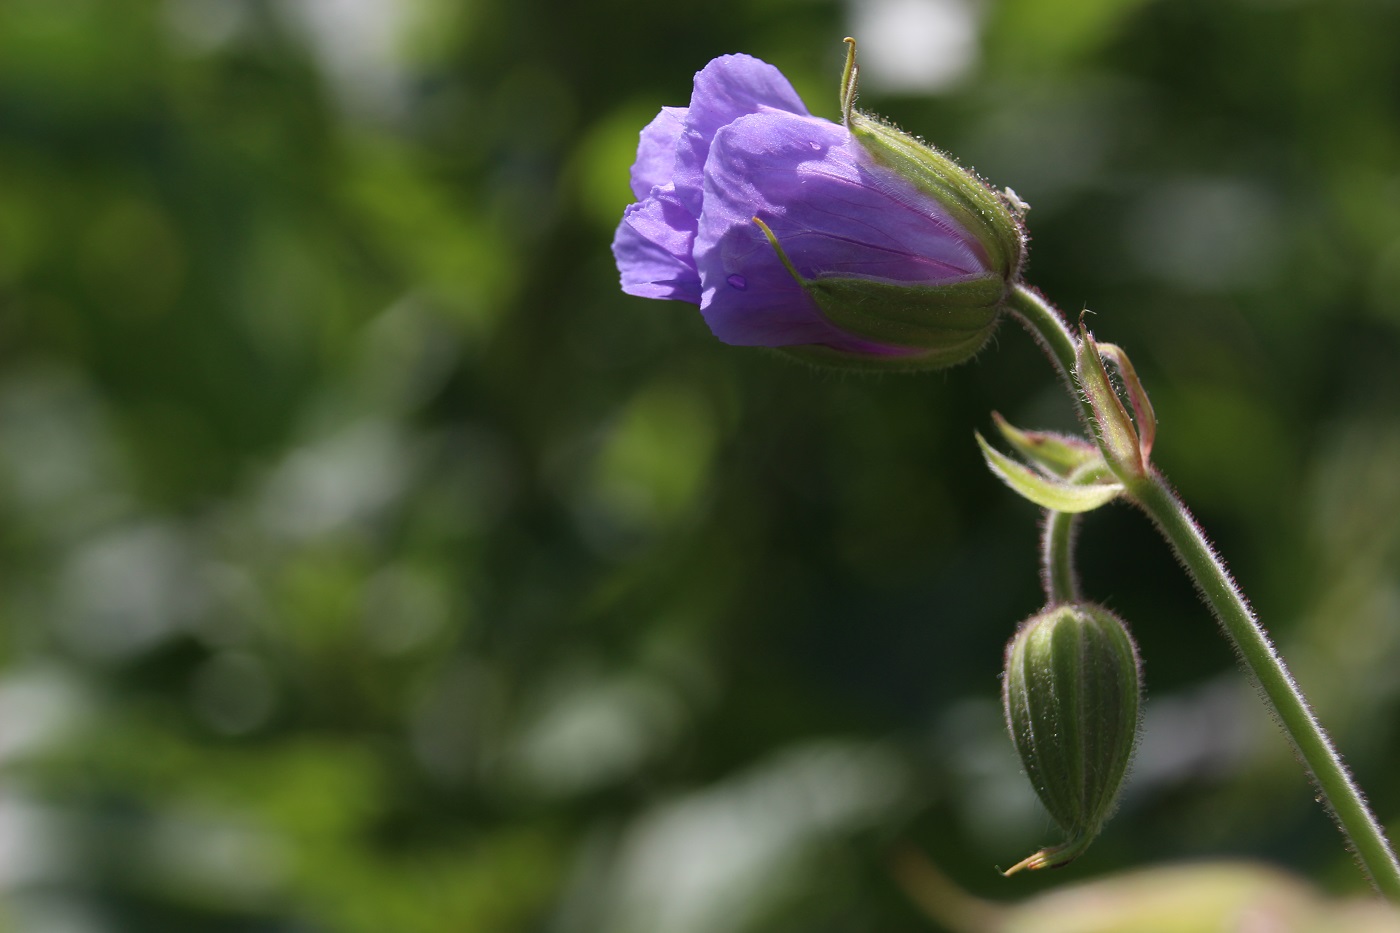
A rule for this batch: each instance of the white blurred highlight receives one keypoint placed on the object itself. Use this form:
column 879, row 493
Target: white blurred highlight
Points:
column 711, row 861
column 915, row 46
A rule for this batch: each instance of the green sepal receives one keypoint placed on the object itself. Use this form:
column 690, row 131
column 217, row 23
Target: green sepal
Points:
column 1058, row 454
column 970, row 202
column 1048, row 492
column 955, row 318
column 830, row 358
column 931, row 326
column 992, row 218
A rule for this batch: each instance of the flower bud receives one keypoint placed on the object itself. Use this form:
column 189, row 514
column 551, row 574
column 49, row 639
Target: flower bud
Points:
column 1119, row 441
column 1071, row 691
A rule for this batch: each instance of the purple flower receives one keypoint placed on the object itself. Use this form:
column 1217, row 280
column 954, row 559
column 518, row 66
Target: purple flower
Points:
column 790, row 231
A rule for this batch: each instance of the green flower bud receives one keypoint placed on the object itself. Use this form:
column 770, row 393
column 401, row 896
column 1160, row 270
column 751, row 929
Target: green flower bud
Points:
column 1071, row 691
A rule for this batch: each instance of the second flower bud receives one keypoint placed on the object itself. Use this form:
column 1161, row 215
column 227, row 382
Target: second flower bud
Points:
column 1071, row 691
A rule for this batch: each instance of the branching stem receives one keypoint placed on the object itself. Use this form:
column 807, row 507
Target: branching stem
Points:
column 1154, row 496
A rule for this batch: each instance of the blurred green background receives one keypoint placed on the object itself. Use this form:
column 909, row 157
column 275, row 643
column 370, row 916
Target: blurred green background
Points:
column 369, row 562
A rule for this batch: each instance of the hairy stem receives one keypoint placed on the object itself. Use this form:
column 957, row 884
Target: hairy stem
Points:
column 1057, row 572
column 1058, row 534
column 1154, row 496
column 1048, row 327
column 1339, row 792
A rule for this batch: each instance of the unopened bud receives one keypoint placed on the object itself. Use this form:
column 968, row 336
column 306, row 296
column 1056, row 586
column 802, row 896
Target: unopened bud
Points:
column 1119, row 440
column 1071, row 691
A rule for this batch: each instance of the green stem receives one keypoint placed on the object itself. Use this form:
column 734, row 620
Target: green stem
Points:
column 1057, row 557
column 1154, row 496
column 1048, row 327
column 1339, row 792
column 1058, row 575
column 1044, row 323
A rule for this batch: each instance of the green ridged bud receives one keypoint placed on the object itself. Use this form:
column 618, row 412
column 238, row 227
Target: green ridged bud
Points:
column 1071, row 690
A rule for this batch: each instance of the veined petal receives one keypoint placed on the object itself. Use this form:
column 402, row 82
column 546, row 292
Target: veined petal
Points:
column 653, row 247
column 726, row 89
column 765, row 306
column 835, row 212
column 762, row 305
column 834, row 215
column 656, row 152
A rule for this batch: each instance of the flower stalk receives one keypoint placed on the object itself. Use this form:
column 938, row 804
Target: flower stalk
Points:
column 1339, row 792
column 1150, row 491
column 1057, row 570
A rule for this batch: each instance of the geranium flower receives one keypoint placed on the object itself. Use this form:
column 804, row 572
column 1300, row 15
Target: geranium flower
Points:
column 850, row 242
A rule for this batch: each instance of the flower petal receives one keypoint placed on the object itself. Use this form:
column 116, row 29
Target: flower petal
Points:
column 653, row 246
column 729, row 87
column 764, row 306
column 834, row 215
column 834, row 210
column 656, row 152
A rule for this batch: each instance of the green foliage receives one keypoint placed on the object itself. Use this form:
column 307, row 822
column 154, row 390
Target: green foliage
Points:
column 368, row 561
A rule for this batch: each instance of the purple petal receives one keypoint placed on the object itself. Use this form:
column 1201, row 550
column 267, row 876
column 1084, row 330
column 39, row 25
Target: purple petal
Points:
column 656, row 152
column 762, row 305
column 729, row 87
column 833, row 212
column 768, row 308
column 653, row 248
